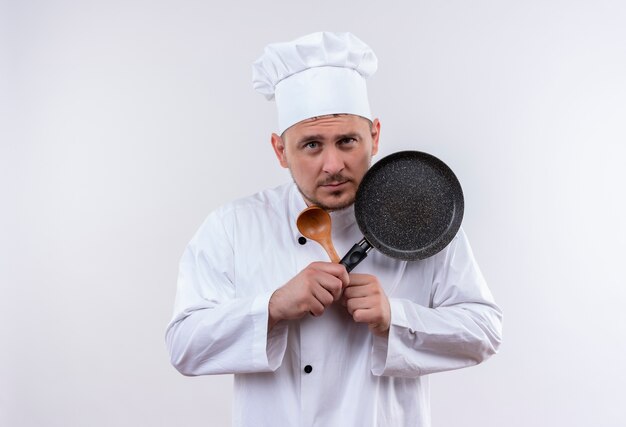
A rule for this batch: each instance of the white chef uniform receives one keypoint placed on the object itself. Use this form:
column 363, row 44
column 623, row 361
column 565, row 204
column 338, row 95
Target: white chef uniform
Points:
column 328, row 370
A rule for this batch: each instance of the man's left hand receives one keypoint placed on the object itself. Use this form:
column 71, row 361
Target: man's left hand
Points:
column 367, row 303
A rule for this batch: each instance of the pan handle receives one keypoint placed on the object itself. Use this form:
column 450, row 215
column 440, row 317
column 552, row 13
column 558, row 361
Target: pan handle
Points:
column 356, row 254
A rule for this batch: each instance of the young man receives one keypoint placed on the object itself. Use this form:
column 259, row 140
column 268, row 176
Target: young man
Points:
column 310, row 344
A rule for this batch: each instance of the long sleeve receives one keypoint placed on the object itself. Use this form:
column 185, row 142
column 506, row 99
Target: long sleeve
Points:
column 460, row 327
column 215, row 330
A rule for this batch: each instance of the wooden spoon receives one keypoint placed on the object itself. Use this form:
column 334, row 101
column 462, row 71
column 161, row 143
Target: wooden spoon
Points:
column 314, row 223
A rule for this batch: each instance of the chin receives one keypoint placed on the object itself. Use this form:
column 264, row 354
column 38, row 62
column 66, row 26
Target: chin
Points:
column 329, row 201
column 335, row 203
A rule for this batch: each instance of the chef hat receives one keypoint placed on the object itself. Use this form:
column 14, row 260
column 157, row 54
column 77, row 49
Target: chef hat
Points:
column 318, row 74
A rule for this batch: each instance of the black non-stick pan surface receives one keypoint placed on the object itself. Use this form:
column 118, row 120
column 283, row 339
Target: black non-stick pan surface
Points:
column 409, row 205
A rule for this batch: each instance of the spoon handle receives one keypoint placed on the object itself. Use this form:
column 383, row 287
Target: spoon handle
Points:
column 330, row 250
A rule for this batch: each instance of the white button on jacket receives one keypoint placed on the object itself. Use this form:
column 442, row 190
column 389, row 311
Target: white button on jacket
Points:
column 443, row 317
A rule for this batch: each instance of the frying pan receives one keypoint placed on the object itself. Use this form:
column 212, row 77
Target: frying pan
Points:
column 409, row 206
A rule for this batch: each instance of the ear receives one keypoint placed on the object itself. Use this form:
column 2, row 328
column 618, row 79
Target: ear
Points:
column 279, row 149
column 375, row 136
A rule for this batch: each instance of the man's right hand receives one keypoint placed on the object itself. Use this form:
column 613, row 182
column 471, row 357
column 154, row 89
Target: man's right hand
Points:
column 310, row 291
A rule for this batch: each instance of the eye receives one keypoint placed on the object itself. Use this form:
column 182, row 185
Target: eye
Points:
column 347, row 141
column 311, row 145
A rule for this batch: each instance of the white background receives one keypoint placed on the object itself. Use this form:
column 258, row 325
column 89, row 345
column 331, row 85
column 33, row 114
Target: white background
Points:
column 124, row 123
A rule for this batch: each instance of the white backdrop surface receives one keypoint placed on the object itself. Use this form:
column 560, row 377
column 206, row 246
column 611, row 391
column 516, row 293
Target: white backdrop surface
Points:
column 124, row 123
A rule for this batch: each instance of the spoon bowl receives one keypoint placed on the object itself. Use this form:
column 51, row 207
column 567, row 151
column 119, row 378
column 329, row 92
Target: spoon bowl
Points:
column 314, row 223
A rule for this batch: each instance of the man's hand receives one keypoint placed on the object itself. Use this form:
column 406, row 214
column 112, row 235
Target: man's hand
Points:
column 367, row 303
column 310, row 291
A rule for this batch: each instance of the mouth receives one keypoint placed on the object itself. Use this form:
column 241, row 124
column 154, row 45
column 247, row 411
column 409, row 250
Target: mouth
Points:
column 334, row 185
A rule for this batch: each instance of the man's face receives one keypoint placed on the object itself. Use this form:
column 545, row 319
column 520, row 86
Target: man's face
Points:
column 328, row 156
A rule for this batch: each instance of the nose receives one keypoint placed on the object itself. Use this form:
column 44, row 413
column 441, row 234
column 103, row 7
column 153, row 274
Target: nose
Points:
column 333, row 161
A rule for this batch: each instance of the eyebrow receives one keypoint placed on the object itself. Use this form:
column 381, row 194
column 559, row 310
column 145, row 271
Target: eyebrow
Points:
column 354, row 135
column 318, row 137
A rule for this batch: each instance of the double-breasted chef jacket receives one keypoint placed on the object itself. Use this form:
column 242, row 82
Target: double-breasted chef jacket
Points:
column 327, row 370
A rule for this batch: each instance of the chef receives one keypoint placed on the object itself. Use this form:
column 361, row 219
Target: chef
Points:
column 308, row 343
